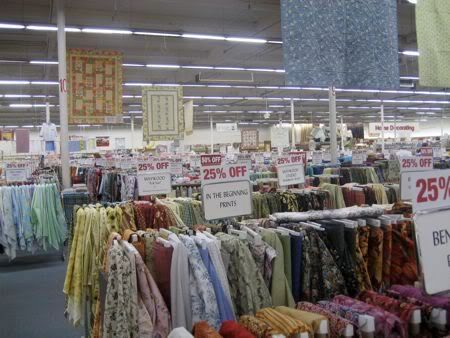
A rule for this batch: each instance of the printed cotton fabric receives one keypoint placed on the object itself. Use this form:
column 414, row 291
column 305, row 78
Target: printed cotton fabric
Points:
column 344, row 43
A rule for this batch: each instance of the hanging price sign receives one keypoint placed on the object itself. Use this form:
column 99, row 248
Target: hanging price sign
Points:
column 290, row 169
column 316, row 157
column 431, row 190
column 416, row 163
column 153, row 177
column 359, row 157
column 176, row 166
column 433, row 244
column 226, row 188
column 17, row 171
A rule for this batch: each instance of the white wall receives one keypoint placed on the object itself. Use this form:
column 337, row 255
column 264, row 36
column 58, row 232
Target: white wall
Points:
column 199, row 136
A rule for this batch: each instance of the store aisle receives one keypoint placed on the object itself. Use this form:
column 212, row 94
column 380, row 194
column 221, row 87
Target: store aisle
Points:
column 31, row 298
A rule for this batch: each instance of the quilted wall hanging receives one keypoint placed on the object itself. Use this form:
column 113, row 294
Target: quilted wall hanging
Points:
column 341, row 43
column 163, row 116
column 95, row 86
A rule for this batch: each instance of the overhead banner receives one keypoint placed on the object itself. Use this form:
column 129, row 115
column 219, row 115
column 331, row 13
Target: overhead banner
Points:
column 163, row 116
column 189, row 117
column 402, row 129
column 342, row 43
column 279, row 137
column 94, row 86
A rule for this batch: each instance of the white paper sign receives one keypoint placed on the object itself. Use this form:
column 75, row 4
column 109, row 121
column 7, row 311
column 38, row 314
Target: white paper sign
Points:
column 176, row 166
column 154, row 183
column 433, row 243
column 290, row 170
column 279, row 137
column 359, row 157
column 17, row 172
column 415, row 163
column 316, row 157
column 327, row 156
column 226, row 188
column 431, row 189
column 226, row 127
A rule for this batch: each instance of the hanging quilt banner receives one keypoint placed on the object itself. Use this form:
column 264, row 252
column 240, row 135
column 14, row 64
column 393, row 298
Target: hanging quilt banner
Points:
column 94, row 86
column 189, row 117
column 433, row 34
column 249, row 139
column 163, row 116
column 341, row 43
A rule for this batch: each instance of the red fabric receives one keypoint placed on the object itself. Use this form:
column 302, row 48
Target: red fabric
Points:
column 231, row 329
column 162, row 258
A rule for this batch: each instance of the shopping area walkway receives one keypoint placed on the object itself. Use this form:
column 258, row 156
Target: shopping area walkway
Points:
column 31, row 298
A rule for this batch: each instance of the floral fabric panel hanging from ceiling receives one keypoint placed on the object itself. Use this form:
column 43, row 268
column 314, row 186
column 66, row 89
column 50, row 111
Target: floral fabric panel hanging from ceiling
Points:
column 342, row 43
column 95, row 86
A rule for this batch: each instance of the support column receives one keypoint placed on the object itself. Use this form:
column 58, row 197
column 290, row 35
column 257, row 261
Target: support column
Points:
column 47, row 112
column 292, row 125
column 395, row 126
column 212, row 133
column 132, row 133
column 342, row 133
column 382, row 128
column 62, row 75
column 333, row 134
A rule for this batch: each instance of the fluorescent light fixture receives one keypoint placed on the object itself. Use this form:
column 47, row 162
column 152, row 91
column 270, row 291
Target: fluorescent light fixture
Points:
column 410, row 52
column 247, row 40
column 218, row 86
column 135, row 112
column 21, row 105
column 194, row 85
column 413, row 78
column 16, row 95
column 133, row 65
column 83, row 125
column 127, row 96
column 278, row 42
column 11, row 26
column 134, row 105
column 173, row 35
column 203, row 36
column 198, row 67
column 230, row 68
column 162, row 66
column 138, row 117
column 42, row 28
column 13, row 82
column 44, row 96
column 407, row 85
column 126, row 117
column 11, row 126
column 106, row 31
column 268, row 70
column 43, row 62
column 44, row 82
column 138, row 84
column 167, row 84
column 72, row 29
column 413, row 2
column 268, row 87
column 28, row 126
column 12, row 61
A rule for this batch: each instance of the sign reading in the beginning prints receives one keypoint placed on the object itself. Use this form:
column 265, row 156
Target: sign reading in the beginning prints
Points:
column 226, row 188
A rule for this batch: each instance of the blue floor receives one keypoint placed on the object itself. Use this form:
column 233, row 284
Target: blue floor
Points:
column 31, row 298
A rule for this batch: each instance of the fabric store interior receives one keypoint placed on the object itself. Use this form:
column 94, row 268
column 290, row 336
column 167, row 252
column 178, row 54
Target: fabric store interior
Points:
column 235, row 169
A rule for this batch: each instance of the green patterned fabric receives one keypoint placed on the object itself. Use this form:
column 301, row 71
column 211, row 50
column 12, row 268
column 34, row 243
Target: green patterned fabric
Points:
column 433, row 34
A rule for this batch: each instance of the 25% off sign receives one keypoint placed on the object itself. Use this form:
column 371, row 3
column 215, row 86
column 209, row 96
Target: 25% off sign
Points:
column 226, row 188
column 431, row 203
column 153, row 177
column 290, row 169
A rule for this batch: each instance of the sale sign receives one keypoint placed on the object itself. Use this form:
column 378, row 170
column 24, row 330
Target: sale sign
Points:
column 433, row 242
column 416, row 163
column 153, row 177
column 426, row 151
column 290, row 169
column 431, row 189
column 17, row 171
column 359, row 157
column 226, row 189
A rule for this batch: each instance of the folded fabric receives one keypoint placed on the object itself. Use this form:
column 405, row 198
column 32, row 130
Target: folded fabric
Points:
column 203, row 330
column 231, row 329
column 282, row 324
column 313, row 320
column 256, row 326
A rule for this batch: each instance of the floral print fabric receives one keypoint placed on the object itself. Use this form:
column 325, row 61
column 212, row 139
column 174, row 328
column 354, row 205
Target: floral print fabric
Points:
column 256, row 326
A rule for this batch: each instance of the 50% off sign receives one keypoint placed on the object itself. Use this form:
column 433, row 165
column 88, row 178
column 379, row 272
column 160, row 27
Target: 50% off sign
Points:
column 153, row 177
column 226, row 188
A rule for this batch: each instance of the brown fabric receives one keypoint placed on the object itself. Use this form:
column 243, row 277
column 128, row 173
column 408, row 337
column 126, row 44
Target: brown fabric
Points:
column 361, row 268
column 387, row 251
column 403, row 257
column 203, row 330
column 364, row 233
column 375, row 265
column 255, row 326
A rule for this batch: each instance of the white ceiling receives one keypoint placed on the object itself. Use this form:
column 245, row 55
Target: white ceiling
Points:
column 235, row 18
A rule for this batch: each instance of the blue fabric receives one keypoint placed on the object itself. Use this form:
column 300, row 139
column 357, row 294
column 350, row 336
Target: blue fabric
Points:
column 50, row 146
column 74, row 146
column 225, row 308
column 296, row 265
column 344, row 43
